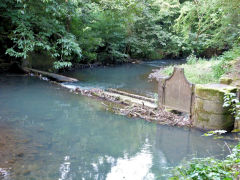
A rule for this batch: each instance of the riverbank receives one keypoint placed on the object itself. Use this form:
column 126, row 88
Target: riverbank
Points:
column 204, row 71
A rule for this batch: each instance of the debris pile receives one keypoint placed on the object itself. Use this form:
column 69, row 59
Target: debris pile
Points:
column 157, row 115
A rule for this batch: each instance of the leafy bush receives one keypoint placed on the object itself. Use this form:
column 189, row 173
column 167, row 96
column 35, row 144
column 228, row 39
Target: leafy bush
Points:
column 203, row 71
column 112, row 31
column 192, row 59
column 61, row 64
column 210, row 168
column 39, row 26
column 197, row 71
column 231, row 101
column 224, row 64
column 208, row 25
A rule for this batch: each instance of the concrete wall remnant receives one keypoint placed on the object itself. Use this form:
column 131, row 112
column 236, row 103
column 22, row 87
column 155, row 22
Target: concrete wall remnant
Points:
column 209, row 112
column 203, row 102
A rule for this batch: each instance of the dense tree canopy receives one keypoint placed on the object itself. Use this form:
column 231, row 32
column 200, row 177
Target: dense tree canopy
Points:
column 110, row 31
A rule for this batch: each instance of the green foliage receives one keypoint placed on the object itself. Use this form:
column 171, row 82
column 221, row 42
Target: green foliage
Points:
column 192, row 59
column 208, row 25
column 203, row 71
column 61, row 64
column 231, row 101
column 151, row 32
column 39, row 26
column 224, row 64
column 197, row 70
column 210, row 168
column 216, row 134
column 112, row 31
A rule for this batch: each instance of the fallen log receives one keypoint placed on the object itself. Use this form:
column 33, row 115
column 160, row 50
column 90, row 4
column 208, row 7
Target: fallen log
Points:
column 52, row 76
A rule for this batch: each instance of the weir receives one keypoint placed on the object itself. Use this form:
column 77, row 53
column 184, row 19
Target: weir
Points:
column 204, row 102
column 121, row 102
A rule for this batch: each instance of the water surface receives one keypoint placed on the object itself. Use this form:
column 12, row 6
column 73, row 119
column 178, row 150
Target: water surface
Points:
column 48, row 133
column 128, row 77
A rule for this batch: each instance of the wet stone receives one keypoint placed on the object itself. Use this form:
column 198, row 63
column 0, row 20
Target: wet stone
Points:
column 26, row 172
column 20, row 155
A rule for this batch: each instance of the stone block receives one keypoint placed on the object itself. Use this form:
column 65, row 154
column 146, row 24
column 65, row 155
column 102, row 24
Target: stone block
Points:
column 212, row 121
column 226, row 80
column 212, row 107
column 213, row 92
column 237, row 124
column 208, row 107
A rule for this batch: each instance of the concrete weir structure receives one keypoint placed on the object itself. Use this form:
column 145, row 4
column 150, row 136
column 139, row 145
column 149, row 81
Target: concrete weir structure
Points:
column 204, row 102
column 209, row 112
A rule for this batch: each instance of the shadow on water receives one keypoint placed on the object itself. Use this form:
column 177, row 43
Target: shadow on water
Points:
column 48, row 133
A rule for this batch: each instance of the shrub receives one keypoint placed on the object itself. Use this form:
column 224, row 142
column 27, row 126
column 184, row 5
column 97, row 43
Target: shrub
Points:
column 210, row 168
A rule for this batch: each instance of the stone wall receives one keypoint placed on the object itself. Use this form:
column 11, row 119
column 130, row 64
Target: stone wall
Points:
column 209, row 112
column 233, row 79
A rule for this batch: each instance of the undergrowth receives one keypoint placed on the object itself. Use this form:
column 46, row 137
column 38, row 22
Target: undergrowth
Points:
column 203, row 71
column 210, row 168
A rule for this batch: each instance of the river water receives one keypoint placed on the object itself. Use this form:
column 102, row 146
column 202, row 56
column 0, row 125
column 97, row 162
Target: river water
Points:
column 48, row 133
column 128, row 77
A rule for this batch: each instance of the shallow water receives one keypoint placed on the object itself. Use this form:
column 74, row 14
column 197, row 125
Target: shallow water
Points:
column 49, row 133
column 127, row 77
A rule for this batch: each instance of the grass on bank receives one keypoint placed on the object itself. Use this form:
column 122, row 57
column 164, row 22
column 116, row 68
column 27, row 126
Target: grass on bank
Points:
column 198, row 73
column 203, row 71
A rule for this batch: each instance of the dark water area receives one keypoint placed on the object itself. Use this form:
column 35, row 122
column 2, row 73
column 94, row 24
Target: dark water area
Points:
column 48, row 133
column 128, row 77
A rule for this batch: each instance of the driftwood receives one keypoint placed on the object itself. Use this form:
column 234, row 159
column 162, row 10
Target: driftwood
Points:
column 157, row 115
column 52, row 76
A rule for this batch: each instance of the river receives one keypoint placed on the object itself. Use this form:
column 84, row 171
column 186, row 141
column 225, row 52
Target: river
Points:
column 48, row 133
column 128, row 77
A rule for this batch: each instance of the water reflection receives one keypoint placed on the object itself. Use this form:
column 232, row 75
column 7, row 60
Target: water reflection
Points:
column 4, row 174
column 137, row 167
column 65, row 169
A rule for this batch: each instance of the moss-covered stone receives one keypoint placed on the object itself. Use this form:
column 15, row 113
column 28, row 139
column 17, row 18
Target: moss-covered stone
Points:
column 213, row 92
column 208, row 108
column 226, row 80
column 213, row 121
column 237, row 124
